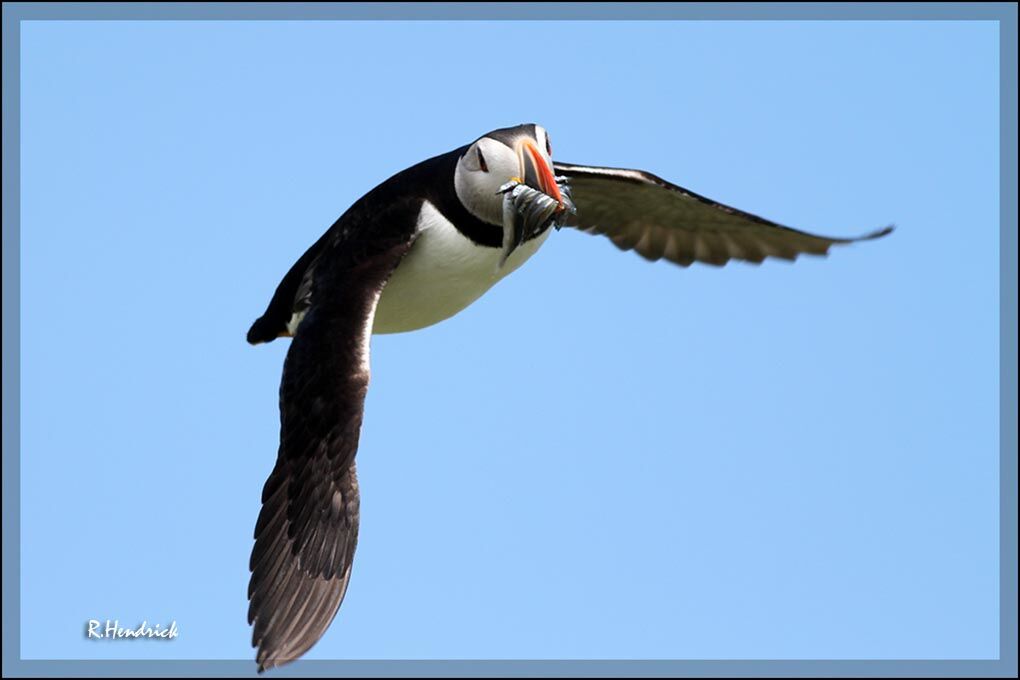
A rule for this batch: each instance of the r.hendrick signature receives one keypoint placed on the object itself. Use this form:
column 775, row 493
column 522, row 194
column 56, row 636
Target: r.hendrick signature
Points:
column 112, row 631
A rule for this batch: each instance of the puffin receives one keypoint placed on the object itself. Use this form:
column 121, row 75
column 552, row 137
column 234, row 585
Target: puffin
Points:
column 413, row 251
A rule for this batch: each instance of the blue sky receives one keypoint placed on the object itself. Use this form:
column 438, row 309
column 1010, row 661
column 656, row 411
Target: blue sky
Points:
column 602, row 458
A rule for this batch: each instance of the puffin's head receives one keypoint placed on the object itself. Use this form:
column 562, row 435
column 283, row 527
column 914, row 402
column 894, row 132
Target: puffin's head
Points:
column 519, row 154
column 491, row 169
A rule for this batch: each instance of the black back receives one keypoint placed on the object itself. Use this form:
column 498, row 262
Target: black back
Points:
column 430, row 180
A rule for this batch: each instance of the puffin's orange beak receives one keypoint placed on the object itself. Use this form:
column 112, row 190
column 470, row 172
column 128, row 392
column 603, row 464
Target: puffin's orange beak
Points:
column 538, row 174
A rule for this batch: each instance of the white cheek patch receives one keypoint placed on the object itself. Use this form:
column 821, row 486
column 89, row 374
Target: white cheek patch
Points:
column 478, row 190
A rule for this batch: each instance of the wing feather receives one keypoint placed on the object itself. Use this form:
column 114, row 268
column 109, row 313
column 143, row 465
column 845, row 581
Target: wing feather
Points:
column 657, row 219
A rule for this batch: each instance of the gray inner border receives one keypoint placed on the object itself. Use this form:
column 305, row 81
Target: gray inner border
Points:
column 1004, row 13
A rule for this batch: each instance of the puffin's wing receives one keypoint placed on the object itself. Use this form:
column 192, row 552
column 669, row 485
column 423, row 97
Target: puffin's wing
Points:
column 308, row 527
column 639, row 211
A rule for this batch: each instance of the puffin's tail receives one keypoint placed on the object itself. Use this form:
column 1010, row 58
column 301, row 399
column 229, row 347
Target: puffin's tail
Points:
column 263, row 330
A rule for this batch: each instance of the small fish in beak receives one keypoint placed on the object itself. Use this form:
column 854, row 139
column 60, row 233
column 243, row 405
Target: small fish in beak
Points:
column 527, row 212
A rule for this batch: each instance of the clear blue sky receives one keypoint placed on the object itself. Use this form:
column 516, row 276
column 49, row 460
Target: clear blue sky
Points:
column 602, row 458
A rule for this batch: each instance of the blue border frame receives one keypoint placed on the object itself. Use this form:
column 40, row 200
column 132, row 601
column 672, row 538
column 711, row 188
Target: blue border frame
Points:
column 1004, row 13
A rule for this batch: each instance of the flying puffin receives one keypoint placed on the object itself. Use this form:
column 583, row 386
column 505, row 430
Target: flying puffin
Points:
column 414, row 251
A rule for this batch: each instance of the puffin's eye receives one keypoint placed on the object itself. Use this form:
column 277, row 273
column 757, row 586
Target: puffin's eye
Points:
column 548, row 146
column 481, row 161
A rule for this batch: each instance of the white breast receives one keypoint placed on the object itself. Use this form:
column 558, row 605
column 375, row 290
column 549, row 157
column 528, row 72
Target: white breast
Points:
column 443, row 273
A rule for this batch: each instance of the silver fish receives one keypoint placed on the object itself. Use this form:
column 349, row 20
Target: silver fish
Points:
column 527, row 212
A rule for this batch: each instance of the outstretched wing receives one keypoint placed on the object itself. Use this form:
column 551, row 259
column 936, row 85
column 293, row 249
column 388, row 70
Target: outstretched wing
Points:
column 657, row 219
column 308, row 527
